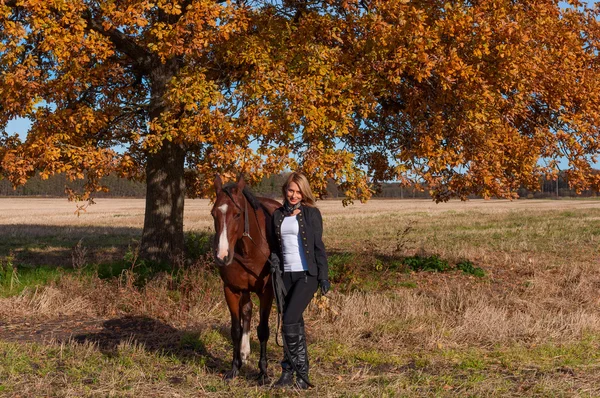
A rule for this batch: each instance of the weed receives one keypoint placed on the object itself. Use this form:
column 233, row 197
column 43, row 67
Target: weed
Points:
column 198, row 243
column 398, row 266
column 110, row 270
column 78, row 255
column 430, row 263
column 133, row 253
column 402, row 240
column 9, row 275
column 340, row 266
column 471, row 363
column 467, row 267
column 5, row 272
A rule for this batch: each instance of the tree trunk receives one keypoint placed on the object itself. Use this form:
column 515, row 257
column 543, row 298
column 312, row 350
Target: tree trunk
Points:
column 162, row 239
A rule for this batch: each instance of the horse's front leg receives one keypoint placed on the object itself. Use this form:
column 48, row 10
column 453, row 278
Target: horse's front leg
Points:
column 246, row 314
column 233, row 302
column 266, row 301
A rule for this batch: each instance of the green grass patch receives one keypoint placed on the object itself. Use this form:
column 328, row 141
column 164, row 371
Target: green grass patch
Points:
column 212, row 339
column 14, row 279
column 408, row 284
column 337, row 352
column 467, row 267
column 545, row 357
column 427, row 263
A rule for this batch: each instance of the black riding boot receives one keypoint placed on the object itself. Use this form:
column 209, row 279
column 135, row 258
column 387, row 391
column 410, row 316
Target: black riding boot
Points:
column 296, row 344
column 287, row 372
column 302, row 360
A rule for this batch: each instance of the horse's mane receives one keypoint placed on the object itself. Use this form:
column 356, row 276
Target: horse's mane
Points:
column 253, row 200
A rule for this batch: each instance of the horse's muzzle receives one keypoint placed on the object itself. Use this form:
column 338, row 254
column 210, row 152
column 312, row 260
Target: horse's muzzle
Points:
column 225, row 261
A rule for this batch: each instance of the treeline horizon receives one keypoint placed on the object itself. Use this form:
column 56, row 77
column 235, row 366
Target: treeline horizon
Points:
column 55, row 187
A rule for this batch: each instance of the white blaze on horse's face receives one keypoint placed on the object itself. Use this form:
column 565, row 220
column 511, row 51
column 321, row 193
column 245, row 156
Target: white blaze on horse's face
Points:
column 223, row 247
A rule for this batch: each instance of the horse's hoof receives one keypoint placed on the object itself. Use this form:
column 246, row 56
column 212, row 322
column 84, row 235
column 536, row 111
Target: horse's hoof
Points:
column 263, row 379
column 232, row 374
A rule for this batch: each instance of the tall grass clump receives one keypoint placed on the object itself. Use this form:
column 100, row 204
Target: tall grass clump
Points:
column 9, row 276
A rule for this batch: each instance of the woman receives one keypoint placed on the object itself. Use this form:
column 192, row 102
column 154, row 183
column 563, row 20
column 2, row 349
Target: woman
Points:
column 298, row 228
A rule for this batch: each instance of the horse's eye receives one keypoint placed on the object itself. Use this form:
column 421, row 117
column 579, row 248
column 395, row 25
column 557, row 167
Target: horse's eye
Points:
column 237, row 216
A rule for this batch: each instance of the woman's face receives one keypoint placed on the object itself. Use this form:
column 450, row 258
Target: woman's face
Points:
column 293, row 194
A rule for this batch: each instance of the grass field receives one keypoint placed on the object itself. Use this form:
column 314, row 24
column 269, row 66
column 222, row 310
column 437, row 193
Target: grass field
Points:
column 478, row 298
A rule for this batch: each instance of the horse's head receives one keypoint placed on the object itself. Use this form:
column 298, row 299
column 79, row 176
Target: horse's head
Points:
column 228, row 215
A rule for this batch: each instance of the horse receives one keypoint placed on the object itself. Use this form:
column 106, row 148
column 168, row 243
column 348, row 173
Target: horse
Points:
column 241, row 249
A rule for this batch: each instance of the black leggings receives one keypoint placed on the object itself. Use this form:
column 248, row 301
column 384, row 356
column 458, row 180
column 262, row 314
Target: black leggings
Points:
column 301, row 288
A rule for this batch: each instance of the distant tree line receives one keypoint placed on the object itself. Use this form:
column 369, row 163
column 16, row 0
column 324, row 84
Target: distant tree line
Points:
column 270, row 187
column 549, row 188
column 55, row 186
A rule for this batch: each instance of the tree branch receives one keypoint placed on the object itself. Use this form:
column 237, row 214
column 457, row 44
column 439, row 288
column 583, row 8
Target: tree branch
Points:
column 141, row 57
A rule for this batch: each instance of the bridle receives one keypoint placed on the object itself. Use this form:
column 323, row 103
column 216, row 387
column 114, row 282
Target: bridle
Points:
column 246, row 221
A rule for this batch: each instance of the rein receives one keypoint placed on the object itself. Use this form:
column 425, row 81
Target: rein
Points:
column 279, row 289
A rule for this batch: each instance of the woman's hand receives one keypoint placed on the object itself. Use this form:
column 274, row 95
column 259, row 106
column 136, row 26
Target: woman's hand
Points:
column 274, row 262
column 324, row 285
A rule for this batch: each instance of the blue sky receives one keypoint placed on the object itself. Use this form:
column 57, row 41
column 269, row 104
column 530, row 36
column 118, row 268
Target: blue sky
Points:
column 18, row 126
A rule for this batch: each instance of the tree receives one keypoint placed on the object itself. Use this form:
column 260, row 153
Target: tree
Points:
column 465, row 96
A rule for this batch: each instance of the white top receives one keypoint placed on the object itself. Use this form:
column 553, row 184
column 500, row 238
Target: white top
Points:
column 293, row 256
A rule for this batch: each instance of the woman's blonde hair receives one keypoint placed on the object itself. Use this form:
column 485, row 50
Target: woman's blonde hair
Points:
column 300, row 179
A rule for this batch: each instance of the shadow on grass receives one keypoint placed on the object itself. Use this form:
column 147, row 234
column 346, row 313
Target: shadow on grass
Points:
column 35, row 244
column 155, row 336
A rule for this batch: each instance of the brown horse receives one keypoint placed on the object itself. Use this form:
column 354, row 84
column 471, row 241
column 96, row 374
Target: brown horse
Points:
column 241, row 249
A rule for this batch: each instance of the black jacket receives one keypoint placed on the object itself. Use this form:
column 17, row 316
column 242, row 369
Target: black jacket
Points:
column 310, row 224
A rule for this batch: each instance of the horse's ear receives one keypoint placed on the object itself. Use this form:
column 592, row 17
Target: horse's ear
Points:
column 241, row 183
column 218, row 184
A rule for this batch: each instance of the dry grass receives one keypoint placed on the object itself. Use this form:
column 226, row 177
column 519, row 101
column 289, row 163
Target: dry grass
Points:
column 531, row 326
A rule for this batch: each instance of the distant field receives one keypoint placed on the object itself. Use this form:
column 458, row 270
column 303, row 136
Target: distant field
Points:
column 477, row 298
column 130, row 212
